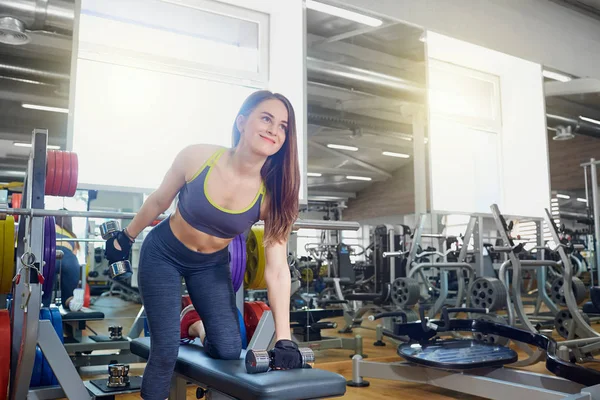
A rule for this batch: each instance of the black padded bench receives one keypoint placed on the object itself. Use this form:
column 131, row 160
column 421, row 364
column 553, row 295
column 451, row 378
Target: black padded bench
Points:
column 74, row 323
column 229, row 377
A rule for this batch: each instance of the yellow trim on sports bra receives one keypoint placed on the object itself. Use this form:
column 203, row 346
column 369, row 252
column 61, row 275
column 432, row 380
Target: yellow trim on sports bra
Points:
column 218, row 207
column 209, row 161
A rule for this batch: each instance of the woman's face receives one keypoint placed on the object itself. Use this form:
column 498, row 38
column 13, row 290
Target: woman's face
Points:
column 264, row 130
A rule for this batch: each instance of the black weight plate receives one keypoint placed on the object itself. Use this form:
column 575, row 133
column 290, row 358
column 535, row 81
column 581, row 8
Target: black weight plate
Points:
column 457, row 354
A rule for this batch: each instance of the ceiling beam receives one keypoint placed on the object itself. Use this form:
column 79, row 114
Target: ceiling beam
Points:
column 350, row 34
column 339, row 171
column 362, row 53
column 354, row 160
column 347, row 195
column 574, row 86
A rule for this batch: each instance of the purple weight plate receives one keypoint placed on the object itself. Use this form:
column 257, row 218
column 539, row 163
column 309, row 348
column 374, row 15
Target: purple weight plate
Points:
column 243, row 258
column 237, row 261
column 52, row 253
column 46, row 267
column 241, row 249
column 235, row 264
column 232, row 263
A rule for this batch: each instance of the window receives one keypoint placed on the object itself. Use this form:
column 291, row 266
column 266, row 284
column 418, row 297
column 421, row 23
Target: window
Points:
column 153, row 77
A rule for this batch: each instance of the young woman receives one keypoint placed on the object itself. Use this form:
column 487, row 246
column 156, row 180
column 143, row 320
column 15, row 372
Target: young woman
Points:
column 222, row 193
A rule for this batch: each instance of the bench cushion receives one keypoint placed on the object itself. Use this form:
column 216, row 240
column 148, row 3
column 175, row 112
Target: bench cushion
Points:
column 83, row 315
column 230, row 377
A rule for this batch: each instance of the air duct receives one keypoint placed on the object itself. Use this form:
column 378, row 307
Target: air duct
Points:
column 12, row 32
column 343, row 73
column 49, row 15
column 576, row 125
column 25, row 72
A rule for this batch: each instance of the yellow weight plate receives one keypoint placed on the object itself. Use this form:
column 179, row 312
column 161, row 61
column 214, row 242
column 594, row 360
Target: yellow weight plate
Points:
column 307, row 275
column 255, row 272
column 8, row 254
column 259, row 233
column 2, row 247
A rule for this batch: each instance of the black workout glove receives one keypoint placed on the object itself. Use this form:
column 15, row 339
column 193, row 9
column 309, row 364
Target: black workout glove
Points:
column 285, row 355
column 112, row 254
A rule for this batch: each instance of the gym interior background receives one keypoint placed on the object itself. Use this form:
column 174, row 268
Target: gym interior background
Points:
column 414, row 116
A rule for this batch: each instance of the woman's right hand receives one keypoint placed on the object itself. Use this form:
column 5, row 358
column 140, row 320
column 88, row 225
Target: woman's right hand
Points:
column 118, row 248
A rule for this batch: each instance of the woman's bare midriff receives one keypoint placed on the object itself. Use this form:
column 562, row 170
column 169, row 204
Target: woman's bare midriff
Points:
column 192, row 238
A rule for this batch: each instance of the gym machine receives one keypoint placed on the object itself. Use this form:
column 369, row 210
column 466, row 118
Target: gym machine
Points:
column 476, row 367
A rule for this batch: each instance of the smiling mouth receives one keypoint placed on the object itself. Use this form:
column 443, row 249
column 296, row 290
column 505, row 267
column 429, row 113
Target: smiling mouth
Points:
column 270, row 140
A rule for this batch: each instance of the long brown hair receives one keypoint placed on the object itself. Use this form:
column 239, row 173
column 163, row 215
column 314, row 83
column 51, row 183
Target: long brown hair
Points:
column 280, row 172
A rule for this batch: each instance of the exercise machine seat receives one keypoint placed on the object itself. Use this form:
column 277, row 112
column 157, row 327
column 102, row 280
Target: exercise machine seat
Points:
column 230, row 376
column 80, row 315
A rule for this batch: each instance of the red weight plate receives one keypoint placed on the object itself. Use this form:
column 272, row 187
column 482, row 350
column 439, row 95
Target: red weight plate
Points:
column 58, row 173
column 66, row 178
column 252, row 315
column 87, row 296
column 50, row 170
column 16, row 203
column 263, row 306
column 74, row 175
column 5, row 346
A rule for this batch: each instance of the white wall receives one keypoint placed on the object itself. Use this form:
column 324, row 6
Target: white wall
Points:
column 536, row 30
column 471, row 169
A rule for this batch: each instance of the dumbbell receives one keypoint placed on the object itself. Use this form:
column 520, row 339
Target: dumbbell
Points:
column 118, row 375
column 259, row 361
column 120, row 269
column 116, row 332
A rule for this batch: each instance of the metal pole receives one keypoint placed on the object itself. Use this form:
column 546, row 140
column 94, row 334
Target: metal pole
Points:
column 299, row 224
column 596, row 203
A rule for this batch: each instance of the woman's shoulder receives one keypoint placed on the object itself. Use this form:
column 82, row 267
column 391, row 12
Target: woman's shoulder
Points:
column 192, row 157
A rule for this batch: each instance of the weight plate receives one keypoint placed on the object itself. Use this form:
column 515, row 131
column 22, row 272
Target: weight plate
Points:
column 242, row 330
column 557, row 293
column 46, row 266
column 46, row 377
column 58, row 172
column 16, row 200
column 7, row 266
column 258, row 232
column 306, row 275
column 253, row 312
column 488, row 293
column 562, row 323
column 50, row 171
column 5, row 350
column 53, row 380
column 66, row 176
column 405, row 292
column 52, row 227
column 36, row 374
column 244, row 258
column 2, row 246
column 74, row 175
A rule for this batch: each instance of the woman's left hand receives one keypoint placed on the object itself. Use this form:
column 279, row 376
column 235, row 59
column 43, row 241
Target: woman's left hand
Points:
column 285, row 355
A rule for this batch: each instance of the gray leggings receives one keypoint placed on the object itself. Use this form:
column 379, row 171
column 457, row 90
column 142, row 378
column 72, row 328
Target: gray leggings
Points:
column 163, row 261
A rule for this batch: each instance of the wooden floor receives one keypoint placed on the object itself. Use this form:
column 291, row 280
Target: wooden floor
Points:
column 338, row 361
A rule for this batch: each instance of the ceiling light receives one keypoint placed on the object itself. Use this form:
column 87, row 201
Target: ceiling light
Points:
column 342, row 147
column 343, row 13
column 358, row 178
column 22, row 144
column 556, row 76
column 593, row 121
column 563, row 196
column 391, row 154
column 581, row 200
column 313, row 174
column 46, row 108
